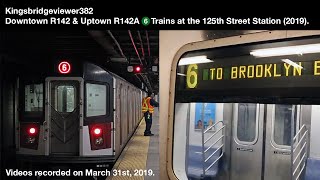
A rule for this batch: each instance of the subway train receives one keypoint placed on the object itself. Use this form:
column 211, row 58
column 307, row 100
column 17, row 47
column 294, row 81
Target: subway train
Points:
column 243, row 107
column 73, row 112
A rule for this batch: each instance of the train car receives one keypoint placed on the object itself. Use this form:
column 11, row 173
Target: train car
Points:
column 241, row 108
column 73, row 112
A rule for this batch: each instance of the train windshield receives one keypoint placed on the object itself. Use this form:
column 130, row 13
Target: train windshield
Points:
column 247, row 104
column 33, row 98
column 32, row 102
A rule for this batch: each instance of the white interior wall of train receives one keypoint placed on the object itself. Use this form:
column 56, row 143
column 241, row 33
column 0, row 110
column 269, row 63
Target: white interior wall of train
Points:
column 170, row 42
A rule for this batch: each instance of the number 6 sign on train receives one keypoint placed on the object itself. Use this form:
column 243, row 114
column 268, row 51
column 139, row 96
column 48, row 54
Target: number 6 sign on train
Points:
column 64, row 67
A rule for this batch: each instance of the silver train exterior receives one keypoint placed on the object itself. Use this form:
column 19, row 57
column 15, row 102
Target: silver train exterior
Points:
column 224, row 150
column 84, row 117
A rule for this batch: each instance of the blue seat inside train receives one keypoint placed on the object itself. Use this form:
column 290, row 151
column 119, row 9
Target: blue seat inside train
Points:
column 312, row 169
column 195, row 163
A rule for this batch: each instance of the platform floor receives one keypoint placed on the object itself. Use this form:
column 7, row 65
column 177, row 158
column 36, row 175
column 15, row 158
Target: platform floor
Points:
column 141, row 153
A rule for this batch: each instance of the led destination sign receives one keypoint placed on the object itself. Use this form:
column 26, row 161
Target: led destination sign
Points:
column 266, row 72
column 196, row 73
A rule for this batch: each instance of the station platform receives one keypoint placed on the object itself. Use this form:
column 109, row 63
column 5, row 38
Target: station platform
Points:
column 141, row 153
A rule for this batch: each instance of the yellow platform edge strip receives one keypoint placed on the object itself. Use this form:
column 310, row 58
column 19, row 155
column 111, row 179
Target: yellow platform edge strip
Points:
column 135, row 156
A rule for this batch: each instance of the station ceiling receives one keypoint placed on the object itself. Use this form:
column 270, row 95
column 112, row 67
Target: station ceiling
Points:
column 114, row 50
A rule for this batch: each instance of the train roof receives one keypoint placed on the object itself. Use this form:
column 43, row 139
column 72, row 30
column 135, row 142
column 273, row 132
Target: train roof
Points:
column 38, row 72
column 113, row 74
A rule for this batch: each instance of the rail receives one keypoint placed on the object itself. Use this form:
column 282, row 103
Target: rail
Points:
column 204, row 142
column 297, row 168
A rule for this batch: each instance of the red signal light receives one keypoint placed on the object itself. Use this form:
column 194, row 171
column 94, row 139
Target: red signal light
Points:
column 138, row 69
column 32, row 131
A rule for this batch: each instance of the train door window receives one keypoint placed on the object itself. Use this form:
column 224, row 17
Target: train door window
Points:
column 247, row 123
column 138, row 107
column 282, row 123
column 128, row 110
column 65, row 98
column 133, row 110
column 125, row 113
column 96, row 95
column 33, row 98
column 121, row 111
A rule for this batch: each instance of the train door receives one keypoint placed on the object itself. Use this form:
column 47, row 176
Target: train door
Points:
column 247, row 140
column 261, row 141
column 63, row 115
column 278, row 140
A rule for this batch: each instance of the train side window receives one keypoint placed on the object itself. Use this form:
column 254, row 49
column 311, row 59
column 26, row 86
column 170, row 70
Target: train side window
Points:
column 282, row 123
column 96, row 95
column 65, row 98
column 247, row 122
column 33, row 98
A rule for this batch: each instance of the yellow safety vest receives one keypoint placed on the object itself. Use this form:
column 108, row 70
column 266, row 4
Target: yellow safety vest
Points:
column 146, row 106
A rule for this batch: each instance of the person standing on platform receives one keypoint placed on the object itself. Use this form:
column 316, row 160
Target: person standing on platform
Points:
column 148, row 104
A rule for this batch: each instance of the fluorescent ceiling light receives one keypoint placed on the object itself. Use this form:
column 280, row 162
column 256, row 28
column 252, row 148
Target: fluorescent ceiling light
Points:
column 180, row 74
column 288, row 50
column 288, row 61
column 194, row 60
column 98, row 72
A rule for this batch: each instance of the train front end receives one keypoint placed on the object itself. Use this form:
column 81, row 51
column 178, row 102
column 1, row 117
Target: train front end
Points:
column 66, row 115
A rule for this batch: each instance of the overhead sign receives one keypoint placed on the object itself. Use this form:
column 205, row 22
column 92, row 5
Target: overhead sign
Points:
column 64, row 67
column 239, row 73
column 195, row 74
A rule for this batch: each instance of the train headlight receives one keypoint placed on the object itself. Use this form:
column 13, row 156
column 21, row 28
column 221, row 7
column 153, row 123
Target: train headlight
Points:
column 99, row 141
column 100, row 135
column 97, row 131
column 29, row 135
column 32, row 131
